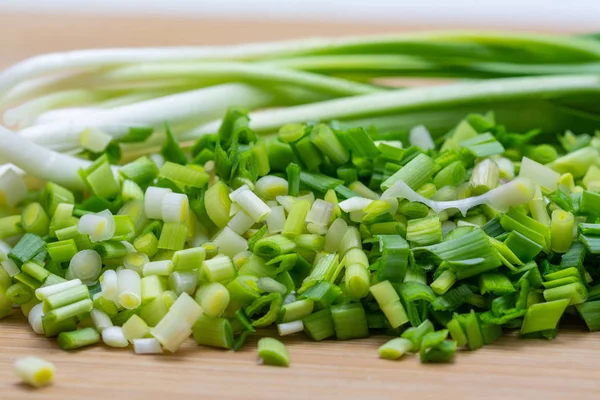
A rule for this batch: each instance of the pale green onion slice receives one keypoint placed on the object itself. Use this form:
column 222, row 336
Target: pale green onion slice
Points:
column 230, row 243
column 95, row 140
column 250, row 203
column 4, row 250
column 335, row 234
column 240, row 223
column 46, row 291
column 355, row 204
column 183, row 281
column 34, row 371
column 175, row 207
column 109, row 285
column 10, row 267
column 419, row 136
column 100, row 226
column 135, row 328
column 289, row 328
column 213, row 298
column 539, row 174
column 100, row 319
column 163, row 268
column 506, row 166
column 270, row 285
column 320, row 213
column 276, row 220
column 135, row 261
column 130, row 289
column 113, row 337
column 269, row 187
column 147, row 346
column 35, row 318
column 153, row 201
column 85, row 265
column 176, row 326
column 12, row 186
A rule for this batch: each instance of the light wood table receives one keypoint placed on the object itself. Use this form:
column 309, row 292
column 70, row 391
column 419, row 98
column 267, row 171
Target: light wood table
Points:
column 509, row 369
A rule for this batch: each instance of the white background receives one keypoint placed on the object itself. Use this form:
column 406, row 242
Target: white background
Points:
column 580, row 15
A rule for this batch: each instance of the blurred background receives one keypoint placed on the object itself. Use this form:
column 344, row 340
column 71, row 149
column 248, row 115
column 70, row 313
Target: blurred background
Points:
column 29, row 27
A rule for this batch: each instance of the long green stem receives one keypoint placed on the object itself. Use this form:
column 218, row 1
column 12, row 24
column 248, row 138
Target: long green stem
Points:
column 486, row 94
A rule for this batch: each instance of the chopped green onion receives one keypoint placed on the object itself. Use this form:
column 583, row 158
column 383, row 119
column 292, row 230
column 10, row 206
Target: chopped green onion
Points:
column 66, row 297
column 394, row 258
column 35, row 270
column 561, row 230
column 273, row 352
column 418, row 171
column 99, row 179
column 294, row 224
column 325, row 140
column 250, row 203
column 27, row 248
column 394, row 349
column 543, row 316
column 213, row 298
column 451, row 175
column 415, row 335
column 218, row 269
column 35, row 220
column 183, row 281
column 135, row 328
column 356, row 280
column 296, row 310
column 173, row 236
column 214, row 332
column 319, row 325
column 389, row 302
column 327, row 268
column 78, row 339
column 85, row 265
column 484, row 177
column 146, row 244
column 62, row 251
column 349, row 321
column 217, row 196
column 184, row 176
column 443, row 282
column 495, row 283
column 34, row 371
column 273, row 246
column 424, row 231
column 590, row 313
column 101, row 320
column 147, row 346
column 69, row 311
column 435, row 347
column 100, row 226
column 19, row 292
column 129, row 289
column 576, row 293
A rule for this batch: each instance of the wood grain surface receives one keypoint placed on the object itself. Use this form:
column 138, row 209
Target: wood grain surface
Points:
column 511, row 368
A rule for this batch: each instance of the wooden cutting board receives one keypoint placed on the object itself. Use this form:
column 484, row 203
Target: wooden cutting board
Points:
column 511, row 368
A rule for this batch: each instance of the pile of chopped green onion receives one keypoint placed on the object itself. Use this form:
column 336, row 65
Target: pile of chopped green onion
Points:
column 409, row 212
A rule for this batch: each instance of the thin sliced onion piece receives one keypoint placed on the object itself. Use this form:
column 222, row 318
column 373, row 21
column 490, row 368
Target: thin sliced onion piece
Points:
column 153, row 201
column 514, row 193
column 355, row 204
column 100, row 226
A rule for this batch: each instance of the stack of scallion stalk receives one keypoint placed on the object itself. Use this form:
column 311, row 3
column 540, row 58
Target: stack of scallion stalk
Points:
column 442, row 216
